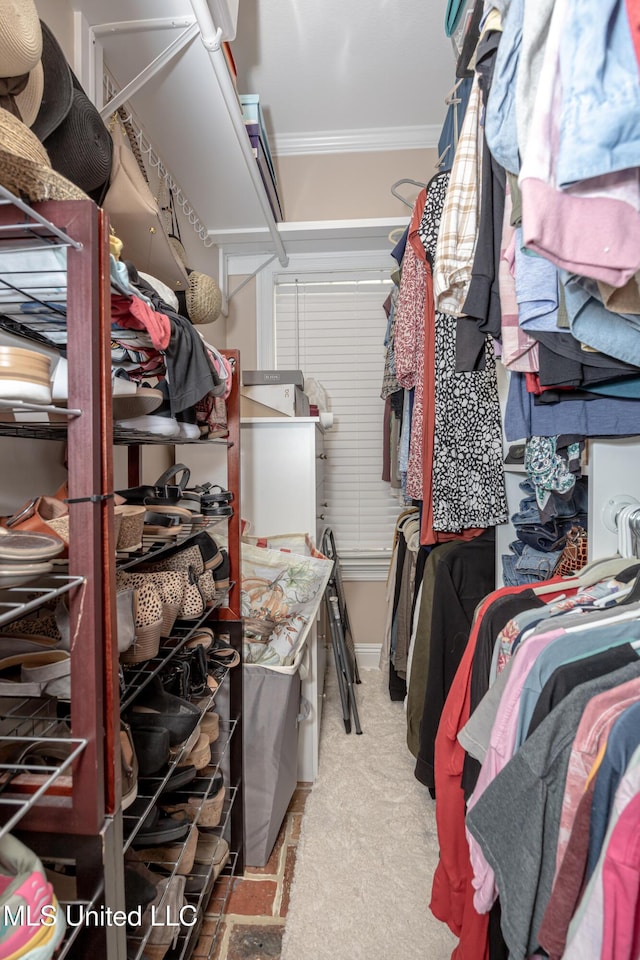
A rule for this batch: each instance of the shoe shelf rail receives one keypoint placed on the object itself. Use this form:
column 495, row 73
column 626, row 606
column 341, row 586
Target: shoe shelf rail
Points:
column 75, row 912
column 19, row 405
column 137, row 676
column 209, row 902
column 14, row 602
column 23, row 781
column 32, row 224
column 156, row 785
column 171, row 869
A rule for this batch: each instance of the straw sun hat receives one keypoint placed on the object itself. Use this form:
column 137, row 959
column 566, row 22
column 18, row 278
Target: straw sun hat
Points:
column 203, row 298
column 25, row 168
column 21, row 72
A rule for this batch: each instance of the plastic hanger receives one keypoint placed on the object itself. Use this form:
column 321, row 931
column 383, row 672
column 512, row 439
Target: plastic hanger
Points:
column 595, row 571
column 398, row 196
column 619, row 614
column 395, row 235
column 440, row 159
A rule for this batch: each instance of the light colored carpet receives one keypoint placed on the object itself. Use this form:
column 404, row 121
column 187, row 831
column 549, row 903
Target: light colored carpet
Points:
column 368, row 846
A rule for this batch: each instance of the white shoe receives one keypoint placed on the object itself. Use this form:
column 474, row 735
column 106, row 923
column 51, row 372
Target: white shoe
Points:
column 189, row 431
column 160, row 426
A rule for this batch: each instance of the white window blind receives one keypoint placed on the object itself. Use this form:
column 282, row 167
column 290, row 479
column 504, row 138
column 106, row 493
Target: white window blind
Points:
column 334, row 331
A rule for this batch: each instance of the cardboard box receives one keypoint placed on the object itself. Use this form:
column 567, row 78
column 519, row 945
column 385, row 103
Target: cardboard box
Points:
column 283, row 397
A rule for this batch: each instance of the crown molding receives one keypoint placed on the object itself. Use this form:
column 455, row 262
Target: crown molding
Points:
column 357, row 141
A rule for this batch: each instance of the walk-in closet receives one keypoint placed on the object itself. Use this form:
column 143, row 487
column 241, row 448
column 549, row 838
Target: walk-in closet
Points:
column 319, row 480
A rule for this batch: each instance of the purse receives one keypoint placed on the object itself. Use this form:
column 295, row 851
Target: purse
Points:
column 136, row 217
column 574, row 554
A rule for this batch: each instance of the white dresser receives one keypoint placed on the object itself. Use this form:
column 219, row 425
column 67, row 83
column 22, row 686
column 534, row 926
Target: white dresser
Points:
column 281, row 461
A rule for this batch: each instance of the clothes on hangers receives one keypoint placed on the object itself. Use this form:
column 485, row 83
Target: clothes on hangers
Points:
column 482, row 303
column 457, row 499
column 458, row 227
column 409, row 344
column 463, row 577
column 461, row 727
column 534, row 779
column 422, row 646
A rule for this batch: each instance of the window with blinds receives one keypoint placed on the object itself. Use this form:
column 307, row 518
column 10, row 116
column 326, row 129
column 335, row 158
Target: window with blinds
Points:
column 334, row 332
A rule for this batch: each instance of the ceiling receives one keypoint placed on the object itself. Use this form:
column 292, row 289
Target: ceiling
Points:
column 344, row 65
column 330, row 73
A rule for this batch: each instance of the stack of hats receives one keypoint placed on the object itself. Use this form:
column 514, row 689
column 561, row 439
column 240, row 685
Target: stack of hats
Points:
column 66, row 153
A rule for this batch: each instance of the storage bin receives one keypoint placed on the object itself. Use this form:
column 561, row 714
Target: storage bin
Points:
column 273, row 710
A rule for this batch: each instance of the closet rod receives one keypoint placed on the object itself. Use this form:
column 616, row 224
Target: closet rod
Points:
column 211, row 39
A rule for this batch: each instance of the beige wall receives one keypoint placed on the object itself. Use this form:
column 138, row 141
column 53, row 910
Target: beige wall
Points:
column 58, row 16
column 350, row 186
column 241, row 322
column 367, row 610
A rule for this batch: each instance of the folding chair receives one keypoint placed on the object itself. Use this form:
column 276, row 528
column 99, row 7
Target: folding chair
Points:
column 341, row 637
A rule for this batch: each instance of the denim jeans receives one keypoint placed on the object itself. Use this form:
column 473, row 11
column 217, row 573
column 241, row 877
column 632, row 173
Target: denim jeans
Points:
column 537, row 562
column 513, row 577
column 539, row 537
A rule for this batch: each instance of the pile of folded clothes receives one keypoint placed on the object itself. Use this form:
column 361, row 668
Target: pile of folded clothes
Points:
column 539, row 545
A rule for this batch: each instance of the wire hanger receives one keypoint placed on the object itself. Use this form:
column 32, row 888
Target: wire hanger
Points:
column 398, row 196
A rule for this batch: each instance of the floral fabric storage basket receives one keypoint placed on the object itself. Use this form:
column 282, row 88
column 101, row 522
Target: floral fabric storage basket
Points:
column 281, row 592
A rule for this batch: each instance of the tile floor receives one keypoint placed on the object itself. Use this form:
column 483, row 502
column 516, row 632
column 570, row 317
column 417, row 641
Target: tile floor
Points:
column 256, row 911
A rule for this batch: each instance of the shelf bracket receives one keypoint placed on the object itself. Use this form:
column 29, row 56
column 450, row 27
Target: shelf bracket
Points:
column 168, row 54
column 223, row 273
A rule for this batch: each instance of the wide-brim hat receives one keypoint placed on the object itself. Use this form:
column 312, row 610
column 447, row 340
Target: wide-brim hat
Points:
column 20, row 37
column 80, row 147
column 22, row 95
column 57, row 94
column 25, row 168
column 203, row 298
column 21, row 74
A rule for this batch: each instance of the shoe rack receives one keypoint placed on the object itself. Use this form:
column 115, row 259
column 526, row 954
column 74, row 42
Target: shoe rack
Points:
column 73, row 812
column 227, row 752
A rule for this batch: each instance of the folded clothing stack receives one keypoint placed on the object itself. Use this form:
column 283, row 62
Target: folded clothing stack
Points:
column 538, row 548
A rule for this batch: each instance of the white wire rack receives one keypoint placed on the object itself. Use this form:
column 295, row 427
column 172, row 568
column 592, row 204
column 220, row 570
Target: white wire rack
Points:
column 151, row 158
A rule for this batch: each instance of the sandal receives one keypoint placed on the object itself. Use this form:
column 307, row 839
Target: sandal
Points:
column 208, row 808
column 209, row 497
column 165, row 830
column 217, row 510
column 152, row 749
column 165, row 493
column 179, row 778
column 221, row 654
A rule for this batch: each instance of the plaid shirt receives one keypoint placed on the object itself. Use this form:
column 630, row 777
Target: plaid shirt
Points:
column 458, row 232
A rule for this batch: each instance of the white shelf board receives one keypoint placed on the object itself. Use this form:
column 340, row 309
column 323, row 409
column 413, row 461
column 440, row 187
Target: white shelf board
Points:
column 249, row 421
column 312, row 236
